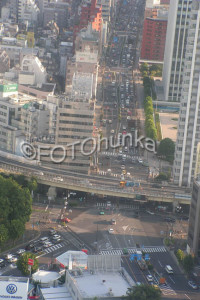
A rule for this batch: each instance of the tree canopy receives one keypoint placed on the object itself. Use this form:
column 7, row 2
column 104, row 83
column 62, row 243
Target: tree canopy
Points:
column 15, row 208
column 22, row 263
column 166, row 149
column 143, row 292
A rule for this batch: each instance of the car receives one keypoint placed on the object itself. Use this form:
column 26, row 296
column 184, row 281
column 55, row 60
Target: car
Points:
column 123, row 167
column 52, row 232
column 111, row 230
column 193, row 285
column 37, row 249
column 138, row 283
column 65, row 220
column 56, row 236
column 140, row 161
column 109, row 171
column 113, row 222
column 43, row 239
column 2, row 263
column 101, row 212
column 8, row 256
column 13, row 259
column 169, row 219
column 112, row 131
column 58, row 241
column 59, row 178
column 21, row 251
column 125, row 149
column 47, row 245
column 149, row 278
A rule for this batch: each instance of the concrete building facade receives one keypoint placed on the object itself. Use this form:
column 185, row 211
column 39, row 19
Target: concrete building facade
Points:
column 193, row 246
column 188, row 136
column 175, row 49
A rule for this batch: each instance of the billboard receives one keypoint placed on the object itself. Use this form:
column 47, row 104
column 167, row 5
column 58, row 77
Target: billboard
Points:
column 7, row 88
column 13, row 289
column 30, row 39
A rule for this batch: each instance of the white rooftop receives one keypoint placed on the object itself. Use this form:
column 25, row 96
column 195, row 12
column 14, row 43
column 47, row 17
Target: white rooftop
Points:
column 56, row 293
column 92, row 285
column 45, row 276
column 73, row 259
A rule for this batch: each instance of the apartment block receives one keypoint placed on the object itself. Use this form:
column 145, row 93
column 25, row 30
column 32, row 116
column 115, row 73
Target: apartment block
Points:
column 193, row 243
column 175, row 49
column 186, row 153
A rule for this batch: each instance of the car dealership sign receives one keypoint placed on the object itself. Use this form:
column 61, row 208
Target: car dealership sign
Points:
column 13, row 289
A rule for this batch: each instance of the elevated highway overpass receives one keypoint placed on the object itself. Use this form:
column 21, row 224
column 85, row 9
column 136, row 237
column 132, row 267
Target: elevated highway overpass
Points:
column 95, row 184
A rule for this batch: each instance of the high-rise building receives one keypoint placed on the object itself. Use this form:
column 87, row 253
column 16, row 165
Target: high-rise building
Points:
column 193, row 246
column 153, row 39
column 28, row 11
column 174, row 58
column 186, row 163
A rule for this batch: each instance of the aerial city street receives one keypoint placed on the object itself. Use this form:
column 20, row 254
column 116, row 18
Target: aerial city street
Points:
column 99, row 149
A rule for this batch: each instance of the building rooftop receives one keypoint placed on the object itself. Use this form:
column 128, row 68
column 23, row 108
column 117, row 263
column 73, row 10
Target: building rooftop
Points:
column 45, row 276
column 56, row 293
column 101, row 284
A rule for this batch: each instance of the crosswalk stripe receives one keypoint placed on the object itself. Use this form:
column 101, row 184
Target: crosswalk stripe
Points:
column 133, row 250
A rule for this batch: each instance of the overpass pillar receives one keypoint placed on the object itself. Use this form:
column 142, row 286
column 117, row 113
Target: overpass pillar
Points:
column 52, row 193
column 175, row 204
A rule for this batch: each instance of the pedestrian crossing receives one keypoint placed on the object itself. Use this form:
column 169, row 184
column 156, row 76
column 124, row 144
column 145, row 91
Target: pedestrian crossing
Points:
column 124, row 206
column 53, row 248
column 166, row 290
column 133, row 250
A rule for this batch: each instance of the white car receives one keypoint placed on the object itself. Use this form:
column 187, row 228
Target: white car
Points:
column 140, row 161
column 13, row 259
column 9, row 256
column 112, row 131
column 111, row 230
column 149, row 278
column 123, row 167
column 56, row 236
column 47, row 245
column 21, row 251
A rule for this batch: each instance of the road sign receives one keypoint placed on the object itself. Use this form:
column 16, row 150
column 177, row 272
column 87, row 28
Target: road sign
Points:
column 30, row 262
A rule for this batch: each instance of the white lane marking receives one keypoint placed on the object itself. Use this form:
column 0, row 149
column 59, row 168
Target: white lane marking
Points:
column 171, row 279
column 188, row 296
column 160, row 263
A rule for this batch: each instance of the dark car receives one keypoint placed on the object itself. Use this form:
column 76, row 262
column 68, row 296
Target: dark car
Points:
column 37, row 249
column 169, row 219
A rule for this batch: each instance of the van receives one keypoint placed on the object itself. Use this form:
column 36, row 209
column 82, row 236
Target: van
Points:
column 169, row 269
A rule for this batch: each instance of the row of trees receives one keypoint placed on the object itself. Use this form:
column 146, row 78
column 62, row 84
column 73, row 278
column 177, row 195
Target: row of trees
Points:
column 15, row 206
column 150, row 127
column 186, row 260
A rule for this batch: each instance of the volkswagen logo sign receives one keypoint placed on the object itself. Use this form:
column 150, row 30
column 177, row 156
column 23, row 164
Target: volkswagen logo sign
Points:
column 11, row 289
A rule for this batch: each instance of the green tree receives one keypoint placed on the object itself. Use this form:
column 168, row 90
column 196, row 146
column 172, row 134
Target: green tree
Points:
column 144, row 67
column 15, row 206
column 188, row 263
column 32, row 184
column 143, row 292
column 16, row 229
column 166, row 149
column 3, row 234
column 180, row 255
column 22, row 263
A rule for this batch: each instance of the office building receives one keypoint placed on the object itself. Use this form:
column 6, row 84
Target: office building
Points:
column 28, row 12
column 186, row 153
column 153, row 39
column 56, row 12
column 4, row 62
column 193, row 245
column 175, row 48
column 32, row 71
